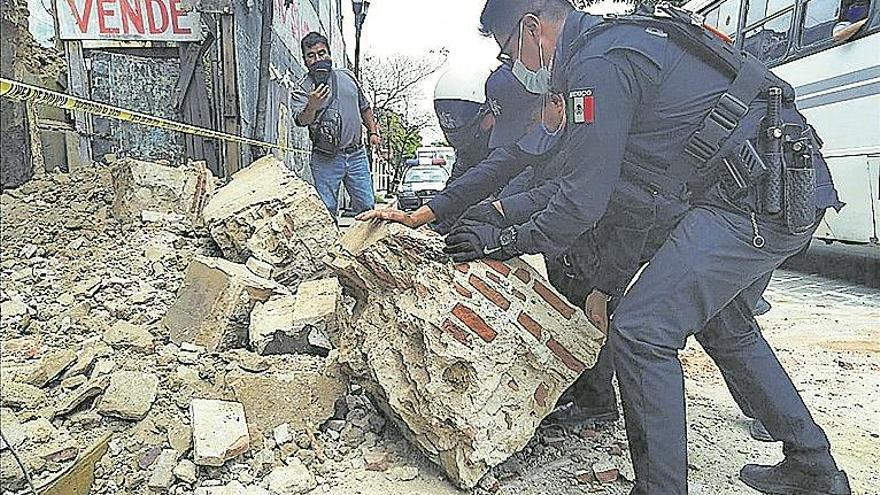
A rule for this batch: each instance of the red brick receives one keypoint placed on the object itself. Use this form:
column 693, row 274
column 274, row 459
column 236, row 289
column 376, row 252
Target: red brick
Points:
column 498, row 266
column 523, row 274
column 462, row 267
column 552, row 299
column 421, row 290
column 495, row 278
column 474, row 322
column 462, row 290
column 567, row 359
column 489, row 293
column 456, row 331
column 541, row 395
column 531, row 325
column 519, row 295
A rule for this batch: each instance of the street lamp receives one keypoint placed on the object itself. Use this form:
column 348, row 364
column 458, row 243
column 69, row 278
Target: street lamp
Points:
column 360, row 8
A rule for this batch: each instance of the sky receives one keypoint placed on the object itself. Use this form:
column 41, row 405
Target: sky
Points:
column 413, row 27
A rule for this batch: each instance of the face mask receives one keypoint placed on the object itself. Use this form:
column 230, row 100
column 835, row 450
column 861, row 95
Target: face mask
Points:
column 535, row 82
column 320, row 71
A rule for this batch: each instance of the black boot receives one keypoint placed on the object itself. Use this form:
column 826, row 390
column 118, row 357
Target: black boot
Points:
column 575, row 415
column 792, row 478
column 759, row 432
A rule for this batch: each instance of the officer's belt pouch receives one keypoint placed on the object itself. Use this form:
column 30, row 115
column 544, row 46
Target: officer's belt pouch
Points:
column 800, row 199
column 325, row 132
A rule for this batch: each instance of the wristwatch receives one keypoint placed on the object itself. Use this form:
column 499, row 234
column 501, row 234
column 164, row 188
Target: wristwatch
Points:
column 507, row 240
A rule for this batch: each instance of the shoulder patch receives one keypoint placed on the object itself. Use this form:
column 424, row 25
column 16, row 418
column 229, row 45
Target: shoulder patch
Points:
column 581, row 106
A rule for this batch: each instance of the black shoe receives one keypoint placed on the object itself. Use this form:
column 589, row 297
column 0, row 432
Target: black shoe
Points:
column 789, row 478
column 575, row 415
column 759, row 432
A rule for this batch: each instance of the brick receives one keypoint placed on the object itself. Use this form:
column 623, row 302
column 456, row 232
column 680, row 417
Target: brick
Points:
column 567, row 359
column 462, row 291
column 495, row 278
column 456, row 331
column 489, row 293
column 541, row 394
column 523, row 275
column 553, row 300
column 531, row 325
column 462, row 267
column 513, row 385
column 519, row 295
column 498, row 266
column 474, row 322
column 421, row 290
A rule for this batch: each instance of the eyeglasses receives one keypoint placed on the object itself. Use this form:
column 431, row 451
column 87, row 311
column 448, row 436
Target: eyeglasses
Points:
column 505, row 57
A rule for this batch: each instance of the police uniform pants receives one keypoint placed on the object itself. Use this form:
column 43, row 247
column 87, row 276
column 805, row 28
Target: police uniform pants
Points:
column 704, row 280
column 593, row 390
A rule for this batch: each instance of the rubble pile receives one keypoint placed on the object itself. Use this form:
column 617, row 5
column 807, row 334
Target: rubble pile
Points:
column 269, row 215
column 213, row 356
column 468, row 359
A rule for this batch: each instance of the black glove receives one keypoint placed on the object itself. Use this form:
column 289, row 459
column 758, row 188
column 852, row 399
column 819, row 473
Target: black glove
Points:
column 485, row 212
column 470, row 241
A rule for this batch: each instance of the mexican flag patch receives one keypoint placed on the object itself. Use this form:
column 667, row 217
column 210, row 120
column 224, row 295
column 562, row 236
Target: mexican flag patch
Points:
column 581, row 106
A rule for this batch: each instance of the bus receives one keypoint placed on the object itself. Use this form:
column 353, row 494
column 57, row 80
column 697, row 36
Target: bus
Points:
column 837, row 84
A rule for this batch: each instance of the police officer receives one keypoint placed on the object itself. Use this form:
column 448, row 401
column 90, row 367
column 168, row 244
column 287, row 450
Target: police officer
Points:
column 656, row 97
column 464, row 116
column 656, row 94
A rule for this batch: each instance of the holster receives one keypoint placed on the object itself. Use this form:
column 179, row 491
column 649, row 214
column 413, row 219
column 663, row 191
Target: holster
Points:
column 800, row 184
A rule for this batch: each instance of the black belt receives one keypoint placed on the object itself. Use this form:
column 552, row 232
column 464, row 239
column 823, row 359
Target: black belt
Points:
column 352, row 148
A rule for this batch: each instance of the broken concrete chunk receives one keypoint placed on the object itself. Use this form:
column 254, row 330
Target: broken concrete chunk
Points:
column 129, row 395
column 268, row 213
column 213, row 305
column 293, row 479
column 220, row 431
column 142, row 187
column 86, row 358
column 466, row 359
column 124, row 335
column 163, row 471
column 297, row 389
column 50, row 367
column 21, row 395
column 299, row 323
column 186, row 471
column 260, row 268
column 13, row 431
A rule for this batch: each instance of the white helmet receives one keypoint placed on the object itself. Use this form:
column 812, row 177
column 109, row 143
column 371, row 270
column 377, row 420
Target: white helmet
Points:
column 463, row 83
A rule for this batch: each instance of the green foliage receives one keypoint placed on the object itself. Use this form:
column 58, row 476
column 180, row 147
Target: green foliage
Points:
column 401, row 140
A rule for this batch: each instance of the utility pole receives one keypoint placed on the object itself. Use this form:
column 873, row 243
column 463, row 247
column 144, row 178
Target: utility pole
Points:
column 360, row 8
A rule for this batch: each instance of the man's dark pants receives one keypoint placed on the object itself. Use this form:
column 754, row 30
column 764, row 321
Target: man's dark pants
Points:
column 705, row 280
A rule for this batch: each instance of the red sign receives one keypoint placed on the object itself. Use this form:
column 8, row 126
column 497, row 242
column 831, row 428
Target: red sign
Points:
column 156, row 20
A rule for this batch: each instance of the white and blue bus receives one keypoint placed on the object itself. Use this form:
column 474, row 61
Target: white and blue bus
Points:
column 837, row 85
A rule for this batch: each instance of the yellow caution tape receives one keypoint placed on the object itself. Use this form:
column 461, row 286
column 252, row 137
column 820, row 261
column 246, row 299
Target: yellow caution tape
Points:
column 25, row 92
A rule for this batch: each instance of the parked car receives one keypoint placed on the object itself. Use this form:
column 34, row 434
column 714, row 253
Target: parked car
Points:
column 420, row 184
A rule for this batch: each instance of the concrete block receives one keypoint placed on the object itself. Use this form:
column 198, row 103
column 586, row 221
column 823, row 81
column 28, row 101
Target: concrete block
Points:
column 220, row 431
column 145, row 186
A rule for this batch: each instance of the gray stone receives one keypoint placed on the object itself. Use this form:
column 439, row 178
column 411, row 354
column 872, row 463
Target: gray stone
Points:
column 21, row 395
column 186, row 471
column 402, row 473
column 293, row 479
column 142, row 187
column 125, row 335
column 220, row 431
column 268, row 213
column 214, row 304
column 50, row 367
column 130, row 395
column 163, row 471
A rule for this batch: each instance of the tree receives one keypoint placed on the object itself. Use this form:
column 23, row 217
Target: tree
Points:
column 393, row 81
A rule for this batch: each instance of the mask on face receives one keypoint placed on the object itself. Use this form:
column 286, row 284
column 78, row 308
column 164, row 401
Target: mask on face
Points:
column 320, row 71
column 535, row 82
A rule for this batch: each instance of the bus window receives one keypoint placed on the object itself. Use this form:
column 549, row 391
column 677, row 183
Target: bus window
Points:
column 724, row 17
column 761, row 9
column 769, row 40
column 820, row 16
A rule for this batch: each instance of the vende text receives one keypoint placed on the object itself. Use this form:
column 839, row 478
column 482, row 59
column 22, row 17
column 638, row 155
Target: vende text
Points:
column 161, row 20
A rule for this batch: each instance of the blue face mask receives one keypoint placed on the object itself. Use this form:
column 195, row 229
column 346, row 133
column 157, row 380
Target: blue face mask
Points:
column 535, row 82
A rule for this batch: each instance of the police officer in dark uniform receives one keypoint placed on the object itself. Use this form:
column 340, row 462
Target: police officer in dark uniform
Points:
column 702, row 115
column 658, row 99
